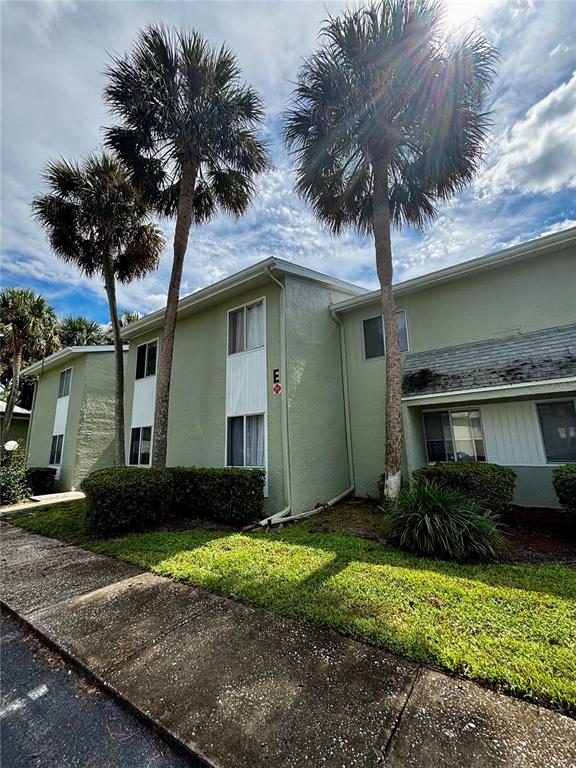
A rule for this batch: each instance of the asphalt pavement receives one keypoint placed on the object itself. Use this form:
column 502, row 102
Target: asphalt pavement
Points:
column 53, row 717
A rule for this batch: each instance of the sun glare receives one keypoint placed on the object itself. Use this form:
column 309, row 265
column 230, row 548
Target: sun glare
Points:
column 459, row 13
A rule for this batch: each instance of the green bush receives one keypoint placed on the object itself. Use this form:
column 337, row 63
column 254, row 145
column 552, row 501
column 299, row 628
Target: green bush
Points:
column 439, row 521
column 13, row 484
column 491, row 484
column 132, row 499
column 230, row 495
column 40, row 479
column 126, row 499
column 564, row 482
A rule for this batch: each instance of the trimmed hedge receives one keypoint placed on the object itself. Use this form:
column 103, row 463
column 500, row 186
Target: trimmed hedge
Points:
column 125, row 499
column 230, row 495
column 40, row 479
column 492, row 484
column 564, row 482
column 13, row 483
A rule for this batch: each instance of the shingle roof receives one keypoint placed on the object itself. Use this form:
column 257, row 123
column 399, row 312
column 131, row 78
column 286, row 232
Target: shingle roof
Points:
column 537, row 356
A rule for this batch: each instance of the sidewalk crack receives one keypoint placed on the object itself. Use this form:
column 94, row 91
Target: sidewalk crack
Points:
column 398, row 720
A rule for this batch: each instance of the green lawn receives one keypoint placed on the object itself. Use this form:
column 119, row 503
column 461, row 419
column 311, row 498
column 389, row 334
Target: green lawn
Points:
column 513, row 626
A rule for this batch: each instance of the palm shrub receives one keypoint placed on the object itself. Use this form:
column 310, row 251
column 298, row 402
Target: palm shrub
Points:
column 387, row 121
column 438, row 521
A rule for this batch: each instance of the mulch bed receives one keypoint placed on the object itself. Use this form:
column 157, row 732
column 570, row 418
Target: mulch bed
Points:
column 540, row 535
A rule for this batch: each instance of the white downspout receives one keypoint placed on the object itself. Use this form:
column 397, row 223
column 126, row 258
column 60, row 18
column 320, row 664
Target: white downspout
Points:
column 284, row 516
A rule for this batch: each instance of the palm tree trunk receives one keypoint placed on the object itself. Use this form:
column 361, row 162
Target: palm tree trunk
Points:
column 119, row 441
column 12, row 397
column 384, row 268
column 164, row 375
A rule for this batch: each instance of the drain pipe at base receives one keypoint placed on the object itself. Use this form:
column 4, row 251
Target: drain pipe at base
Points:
column 284, row 515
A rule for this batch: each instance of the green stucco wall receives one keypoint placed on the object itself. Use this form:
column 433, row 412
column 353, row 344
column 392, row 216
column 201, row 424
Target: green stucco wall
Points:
column 197, row 418
column 89, row 429
column 319, row 463
column 18, row 430
column 525, row 296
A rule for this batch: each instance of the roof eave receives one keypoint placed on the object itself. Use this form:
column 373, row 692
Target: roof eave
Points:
column 68, row 353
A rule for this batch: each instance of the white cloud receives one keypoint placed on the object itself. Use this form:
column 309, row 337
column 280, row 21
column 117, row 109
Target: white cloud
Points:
column 538, row 153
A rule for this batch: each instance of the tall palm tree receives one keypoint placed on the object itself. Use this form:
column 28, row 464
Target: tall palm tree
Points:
column 29, row 329
column 386, row 121
column 96, row 220
column 79, row 331
column 189, row 135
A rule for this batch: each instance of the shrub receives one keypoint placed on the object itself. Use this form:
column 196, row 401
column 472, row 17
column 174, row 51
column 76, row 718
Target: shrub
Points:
column 440, row 521
column 564, row 482
column 126, row 499
column 13, row 484
column 230, row 495
column 40, row 479
column 490, row 484
column 132, row 499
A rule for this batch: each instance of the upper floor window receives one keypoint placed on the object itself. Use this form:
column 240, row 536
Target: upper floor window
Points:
column 374, row 335
column 146, row 360
column 246, row 328
column 558, row 423
column 454, row 435
column 64, row 384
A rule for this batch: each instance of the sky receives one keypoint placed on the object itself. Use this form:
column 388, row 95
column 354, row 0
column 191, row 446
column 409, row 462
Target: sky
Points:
column 53, row 56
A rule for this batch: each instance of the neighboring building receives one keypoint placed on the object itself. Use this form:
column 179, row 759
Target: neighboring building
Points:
column 72, row 421
column 258, row 377
column 489, row 369
column 18, row 426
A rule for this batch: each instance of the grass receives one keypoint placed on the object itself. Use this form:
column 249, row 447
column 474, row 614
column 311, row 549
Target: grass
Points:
column 510, row 626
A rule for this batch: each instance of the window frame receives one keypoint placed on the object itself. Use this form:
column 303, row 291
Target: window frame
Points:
column 381, row 357
column 56, row 463
column 62, row 373
column 547, row 462
column 140, row 428
column 244, row 307
column 449, row 410
column 243, row 416
column 146, row 344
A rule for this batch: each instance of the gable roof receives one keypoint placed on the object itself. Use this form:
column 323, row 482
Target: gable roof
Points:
column 64, row 356
column 257, row 274
column 522, row 359
column 527, row 250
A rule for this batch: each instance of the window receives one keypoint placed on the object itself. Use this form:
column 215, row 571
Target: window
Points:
column 558, row 424
column 140, row 442
column 246, row 328
column 146, row 360
column 64, row 384
column 56, row 450
column 246, row 441
column 374, row 335
column 454, row 435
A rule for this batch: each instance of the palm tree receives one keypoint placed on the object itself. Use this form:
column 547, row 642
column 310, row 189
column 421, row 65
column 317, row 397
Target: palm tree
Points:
column 29, row 329
column 386, row 121
column 189, row 136
column 96, row 220
column 79, row 331
column 128, row 317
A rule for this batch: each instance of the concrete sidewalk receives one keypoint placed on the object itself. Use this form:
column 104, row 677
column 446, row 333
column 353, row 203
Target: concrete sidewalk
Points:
column 243, row 688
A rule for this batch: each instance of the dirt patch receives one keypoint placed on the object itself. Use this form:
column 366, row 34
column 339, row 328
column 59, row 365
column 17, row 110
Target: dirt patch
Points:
column 535, row 535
